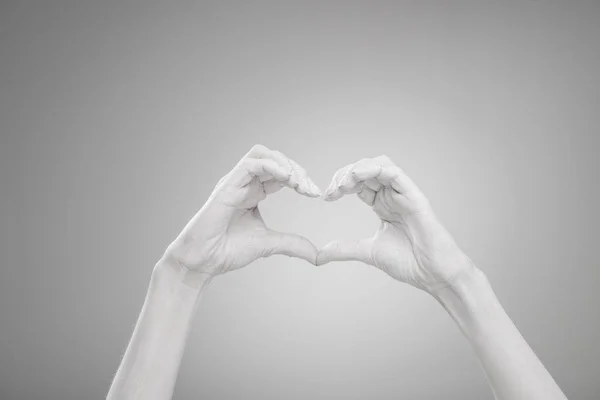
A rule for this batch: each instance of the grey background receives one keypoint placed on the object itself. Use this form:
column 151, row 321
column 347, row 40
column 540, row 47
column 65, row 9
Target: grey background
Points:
column 117, row 119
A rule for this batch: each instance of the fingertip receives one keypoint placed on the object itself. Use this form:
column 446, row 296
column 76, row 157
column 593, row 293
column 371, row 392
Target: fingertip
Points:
column 300, row 189
column 305, row 256
column 312, row 260
column 333, row 196
column 320, row 260
column 324, row 254
column 309, row 193
column 315, row 189
column 310, row 254
column 300, row 247
column 330, row 187
column 311, row 190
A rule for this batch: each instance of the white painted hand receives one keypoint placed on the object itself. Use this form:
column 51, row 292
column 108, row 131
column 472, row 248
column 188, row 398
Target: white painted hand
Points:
column 228, row 232
column 411, row 245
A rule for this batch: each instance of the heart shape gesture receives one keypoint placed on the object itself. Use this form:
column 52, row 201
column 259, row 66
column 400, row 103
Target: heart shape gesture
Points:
column 411, row 245
column 228, row 232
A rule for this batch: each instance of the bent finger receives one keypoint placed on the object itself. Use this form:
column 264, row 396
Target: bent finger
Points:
column 343, row 250
column 290, row 244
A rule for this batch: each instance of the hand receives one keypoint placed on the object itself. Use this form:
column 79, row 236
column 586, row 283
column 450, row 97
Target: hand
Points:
column 411, row 245
column 228, row 232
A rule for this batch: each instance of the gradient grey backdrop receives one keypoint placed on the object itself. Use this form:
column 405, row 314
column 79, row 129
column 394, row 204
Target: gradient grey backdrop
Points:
column 118, row 119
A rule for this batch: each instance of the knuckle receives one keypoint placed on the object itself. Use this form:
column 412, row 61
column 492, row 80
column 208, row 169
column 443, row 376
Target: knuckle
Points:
column 265, row 162
column 258, row 148
column 245, row 164
column 340, row 172
column 299, row 168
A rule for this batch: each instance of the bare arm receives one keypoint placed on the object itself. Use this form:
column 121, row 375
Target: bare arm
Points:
column 151, row 362
column 412, row 246
column 226, row 234
column 512, row 368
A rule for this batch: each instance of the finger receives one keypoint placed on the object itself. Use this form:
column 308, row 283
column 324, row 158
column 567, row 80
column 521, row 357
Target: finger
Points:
column 348, row 183
column 265, row 170
column 390, row 175
column 250, row 168
column 257, row 151
column 264, row 178
column 385, row 176
column 367, row 195
column 262, row 152
column 290, row 244
column 333, row 191
column 271, row 186
column 373, row 184
column 345, row 181
column 357, row 250
column 311, row 188
column 299, row 179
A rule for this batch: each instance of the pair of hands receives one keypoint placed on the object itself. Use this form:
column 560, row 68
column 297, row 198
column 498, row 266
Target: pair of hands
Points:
column 411, row 245
column 228, row 232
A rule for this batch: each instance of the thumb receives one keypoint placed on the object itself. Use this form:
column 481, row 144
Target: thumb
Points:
column 340, row 250
column 290, row 244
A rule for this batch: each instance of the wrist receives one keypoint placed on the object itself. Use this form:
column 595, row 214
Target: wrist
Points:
column 170, row 271
column 470, row 300
column 464, row 287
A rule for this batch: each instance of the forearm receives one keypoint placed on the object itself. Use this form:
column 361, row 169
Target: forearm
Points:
column 512, row 368
column 151, row 362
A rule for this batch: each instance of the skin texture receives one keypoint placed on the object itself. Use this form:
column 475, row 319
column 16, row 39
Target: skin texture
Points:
column 226, row 234
column 411, row 245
